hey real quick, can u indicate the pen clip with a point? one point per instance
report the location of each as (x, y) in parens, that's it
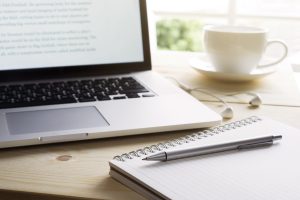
(255, 145)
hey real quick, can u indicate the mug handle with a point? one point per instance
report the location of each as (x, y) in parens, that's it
(284, 55)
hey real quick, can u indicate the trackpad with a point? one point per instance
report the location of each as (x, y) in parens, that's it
(54, 120)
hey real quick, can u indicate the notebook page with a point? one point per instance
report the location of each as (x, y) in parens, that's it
(269, 173)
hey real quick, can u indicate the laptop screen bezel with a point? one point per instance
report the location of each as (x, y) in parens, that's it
(87, 70)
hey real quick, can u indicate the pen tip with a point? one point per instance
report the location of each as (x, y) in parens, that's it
(277, 137)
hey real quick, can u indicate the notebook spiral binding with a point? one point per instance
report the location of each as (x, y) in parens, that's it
(186, 139)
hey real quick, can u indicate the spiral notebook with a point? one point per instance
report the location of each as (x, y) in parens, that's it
(265, 173)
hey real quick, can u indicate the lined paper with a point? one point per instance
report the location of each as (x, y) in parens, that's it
(266, 173)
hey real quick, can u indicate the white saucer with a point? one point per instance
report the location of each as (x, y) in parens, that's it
(203, 66)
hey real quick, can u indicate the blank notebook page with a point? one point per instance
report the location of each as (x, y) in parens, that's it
(267, 173)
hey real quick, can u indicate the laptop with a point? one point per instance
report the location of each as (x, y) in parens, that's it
(82, 70)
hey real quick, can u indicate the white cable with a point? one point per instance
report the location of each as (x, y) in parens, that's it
(189, 90)
(210, 94)
(238, 93)
(227, 113)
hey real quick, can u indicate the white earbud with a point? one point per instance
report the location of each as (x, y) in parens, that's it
(227, 113)
(255, 101)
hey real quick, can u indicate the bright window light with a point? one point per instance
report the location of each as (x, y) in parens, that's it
(178, 23)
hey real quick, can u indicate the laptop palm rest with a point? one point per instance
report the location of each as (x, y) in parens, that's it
(54, 120)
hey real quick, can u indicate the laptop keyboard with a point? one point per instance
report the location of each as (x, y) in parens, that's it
(64, 92)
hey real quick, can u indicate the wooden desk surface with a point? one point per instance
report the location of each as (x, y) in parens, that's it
(80, 169)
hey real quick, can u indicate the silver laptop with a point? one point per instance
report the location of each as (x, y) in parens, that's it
(82, 71)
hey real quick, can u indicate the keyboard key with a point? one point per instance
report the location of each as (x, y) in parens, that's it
(128, 91)
(73, 83)
(68, 100)
(103, 98)
(60, 85)
(119, 97)
(86, 99)
(148, 95)
(45, 85)
(130, 96)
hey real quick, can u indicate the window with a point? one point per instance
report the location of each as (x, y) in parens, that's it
(177, 24)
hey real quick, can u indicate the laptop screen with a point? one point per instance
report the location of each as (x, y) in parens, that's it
(37, 34)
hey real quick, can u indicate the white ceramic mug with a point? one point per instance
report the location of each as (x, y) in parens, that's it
(238, 49)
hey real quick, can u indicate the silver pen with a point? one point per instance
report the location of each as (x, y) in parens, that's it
(204, 150)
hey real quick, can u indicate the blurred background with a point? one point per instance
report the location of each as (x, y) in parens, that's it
(176, 25)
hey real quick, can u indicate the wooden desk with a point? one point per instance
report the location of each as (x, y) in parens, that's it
(80, 169)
